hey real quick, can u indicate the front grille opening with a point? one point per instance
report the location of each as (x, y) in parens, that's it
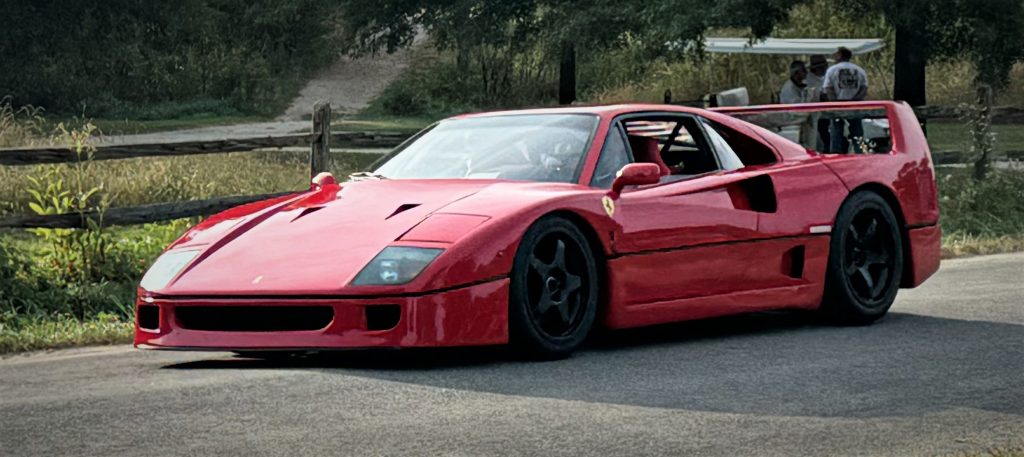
(149, 317)
(382, 317)
(254, 318)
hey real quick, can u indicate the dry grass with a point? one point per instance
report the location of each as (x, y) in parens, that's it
(20, 126)
(53, 333)
(157, 180)
(966, 245)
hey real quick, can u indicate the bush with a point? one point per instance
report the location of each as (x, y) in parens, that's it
(493, 77)
(993, 207)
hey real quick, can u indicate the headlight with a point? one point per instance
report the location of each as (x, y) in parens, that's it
(166, 268)
(396, 265)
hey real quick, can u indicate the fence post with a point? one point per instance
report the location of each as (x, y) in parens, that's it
(981, 129)
(319, 155)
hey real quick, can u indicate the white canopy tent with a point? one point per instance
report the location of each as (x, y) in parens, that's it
(791, 46)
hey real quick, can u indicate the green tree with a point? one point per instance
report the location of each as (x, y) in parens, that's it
(990, 32)
(109, 56)
(566, 29)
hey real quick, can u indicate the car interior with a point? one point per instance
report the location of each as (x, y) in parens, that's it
(682, 146)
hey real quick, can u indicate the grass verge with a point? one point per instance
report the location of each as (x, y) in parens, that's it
(30, 334)
(965, 245)
(955, 136)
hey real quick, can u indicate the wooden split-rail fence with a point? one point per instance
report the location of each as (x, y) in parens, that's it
(319, 141)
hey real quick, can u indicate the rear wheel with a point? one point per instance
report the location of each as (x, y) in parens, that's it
(865, 262)
(554, 290)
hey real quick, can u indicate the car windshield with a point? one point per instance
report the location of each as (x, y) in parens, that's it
(530, 147)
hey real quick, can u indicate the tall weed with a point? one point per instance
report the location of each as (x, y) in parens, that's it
(20, 126)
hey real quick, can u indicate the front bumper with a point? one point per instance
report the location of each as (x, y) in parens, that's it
(475, 315)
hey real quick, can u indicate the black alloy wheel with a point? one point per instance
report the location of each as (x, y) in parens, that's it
(554, 290)
(865, 261)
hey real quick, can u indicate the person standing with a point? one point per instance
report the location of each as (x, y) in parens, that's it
(845, 81)
(793, 91)
(816, 76)
(816, 79)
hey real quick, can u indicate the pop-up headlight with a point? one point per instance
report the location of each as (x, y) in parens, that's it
(166, 268)
(396, 265)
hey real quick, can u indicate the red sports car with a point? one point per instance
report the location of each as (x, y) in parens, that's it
(533, 227)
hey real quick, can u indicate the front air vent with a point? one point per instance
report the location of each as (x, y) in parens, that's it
(382, 317)
(149, 317)
(254, 318)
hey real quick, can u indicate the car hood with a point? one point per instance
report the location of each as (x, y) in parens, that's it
(312, 245)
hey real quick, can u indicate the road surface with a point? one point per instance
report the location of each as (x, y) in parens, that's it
(942, 374)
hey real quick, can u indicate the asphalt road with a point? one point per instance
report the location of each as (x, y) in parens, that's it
(942, 374)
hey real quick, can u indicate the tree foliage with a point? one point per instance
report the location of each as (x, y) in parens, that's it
(109, 55)
(989, 32)
(559, 29)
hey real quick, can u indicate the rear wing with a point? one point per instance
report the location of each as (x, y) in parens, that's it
(888, 127)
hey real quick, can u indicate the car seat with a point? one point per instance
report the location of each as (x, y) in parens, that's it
(646, 150)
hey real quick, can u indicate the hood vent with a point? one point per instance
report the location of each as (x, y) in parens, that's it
(402, 209)
(307, 212)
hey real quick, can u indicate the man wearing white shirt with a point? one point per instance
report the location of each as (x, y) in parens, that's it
(845, 81)
(794, 89)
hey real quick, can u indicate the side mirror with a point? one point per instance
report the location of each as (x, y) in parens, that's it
(635, 174)
(322, 180)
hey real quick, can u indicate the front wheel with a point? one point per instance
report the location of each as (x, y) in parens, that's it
(554, 290)
(865, 263)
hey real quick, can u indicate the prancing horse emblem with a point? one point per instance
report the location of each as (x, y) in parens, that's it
(609, 205)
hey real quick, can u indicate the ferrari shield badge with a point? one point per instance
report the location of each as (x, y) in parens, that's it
(609, 205)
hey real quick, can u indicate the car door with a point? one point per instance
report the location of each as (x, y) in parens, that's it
(667, 231)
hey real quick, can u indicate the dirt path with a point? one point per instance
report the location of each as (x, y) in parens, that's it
(349, 84)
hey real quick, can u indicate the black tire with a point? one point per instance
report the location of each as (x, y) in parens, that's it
(865, 262)
(554, 290)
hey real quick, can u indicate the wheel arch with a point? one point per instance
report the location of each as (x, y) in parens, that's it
(890, 198)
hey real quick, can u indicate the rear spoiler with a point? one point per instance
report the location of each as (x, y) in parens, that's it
(904, 129)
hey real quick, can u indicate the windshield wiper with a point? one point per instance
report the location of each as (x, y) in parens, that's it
(365, 176)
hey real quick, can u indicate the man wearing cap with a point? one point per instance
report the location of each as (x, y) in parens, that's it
(845, 81)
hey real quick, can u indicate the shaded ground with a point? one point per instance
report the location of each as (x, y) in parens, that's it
(940, 375)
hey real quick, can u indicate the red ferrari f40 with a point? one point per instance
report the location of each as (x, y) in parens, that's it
(534, 227)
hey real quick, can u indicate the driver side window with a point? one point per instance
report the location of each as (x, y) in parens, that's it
(674, 142)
